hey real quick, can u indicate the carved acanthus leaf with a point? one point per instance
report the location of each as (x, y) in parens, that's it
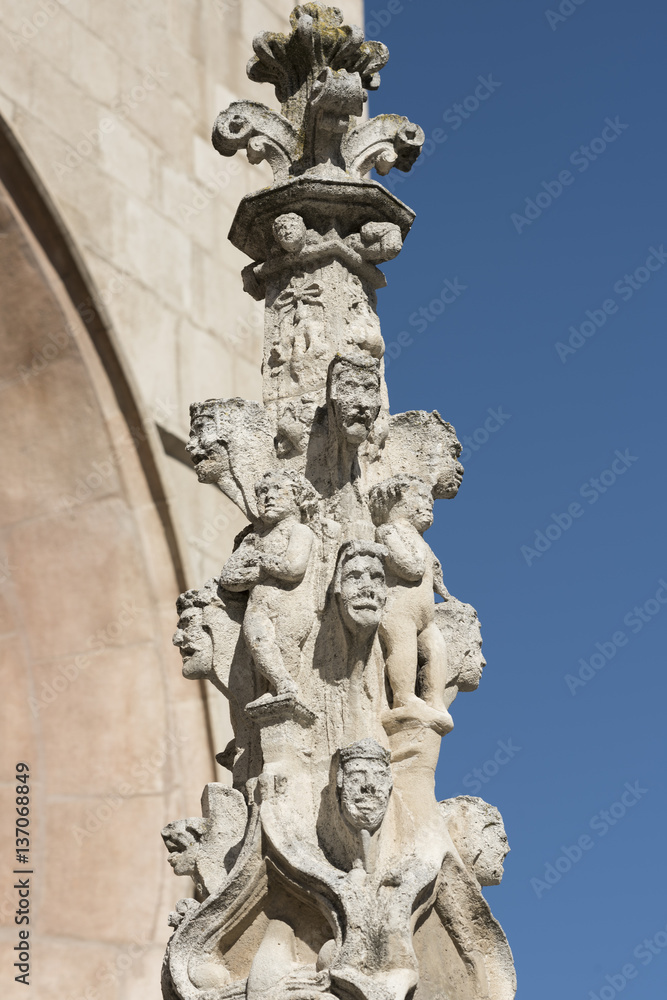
(263, 133)
(318, 39)
(383, 142)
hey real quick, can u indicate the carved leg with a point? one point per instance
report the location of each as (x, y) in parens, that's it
(260, 635)
(433, 652)
(399, 637)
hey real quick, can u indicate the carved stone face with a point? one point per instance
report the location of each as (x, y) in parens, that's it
(492, 849)
(450, 477)
(194, 642)
(364, 792)
(355, 397)
(415, 505)
(209, 455)
(478, 834)
(363, 592)
(183, 847)
(289, 231)
(470, 673)
(275, 499)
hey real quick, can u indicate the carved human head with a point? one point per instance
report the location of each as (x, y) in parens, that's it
(424, 442)
(228, 438)
(182, 839)
(402, 497)
(443, 449)
(364, 782)
(191, 636)
(359, 584)
(289, 231)
(461, 630)
(353, 393)
(281, 493)
(478, 834)
(208, 442)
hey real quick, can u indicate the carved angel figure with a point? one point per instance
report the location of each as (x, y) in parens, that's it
(402, 509)
(271, 563)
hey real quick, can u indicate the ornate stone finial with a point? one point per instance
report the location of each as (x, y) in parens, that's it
(318, 41)
(320, 72)
(322, 629)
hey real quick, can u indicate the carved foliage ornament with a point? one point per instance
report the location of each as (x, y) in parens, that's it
(320, 72)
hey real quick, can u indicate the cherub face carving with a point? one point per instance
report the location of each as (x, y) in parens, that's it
(360, 584)
(364, 784)
(276, 499)
(415, 505)
(354, 392)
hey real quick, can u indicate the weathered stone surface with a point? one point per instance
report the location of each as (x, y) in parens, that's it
(329, 869)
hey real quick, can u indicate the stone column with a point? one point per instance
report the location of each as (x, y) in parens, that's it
(328, 867)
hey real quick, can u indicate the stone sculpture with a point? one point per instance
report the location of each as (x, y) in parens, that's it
(327, 868)
(271, 562)
(402, 509)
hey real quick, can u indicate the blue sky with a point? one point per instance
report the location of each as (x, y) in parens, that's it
(536, 257)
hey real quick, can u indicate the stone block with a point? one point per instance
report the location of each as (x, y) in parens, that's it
(93, 66)
(106, 854)
(159, 253)
(48, 476)
(127, 158)
(55, 99)
(80, 596)
(65, 968)
(207, 368)
(103, 723)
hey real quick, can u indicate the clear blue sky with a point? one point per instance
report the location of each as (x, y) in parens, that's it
(522, 287)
